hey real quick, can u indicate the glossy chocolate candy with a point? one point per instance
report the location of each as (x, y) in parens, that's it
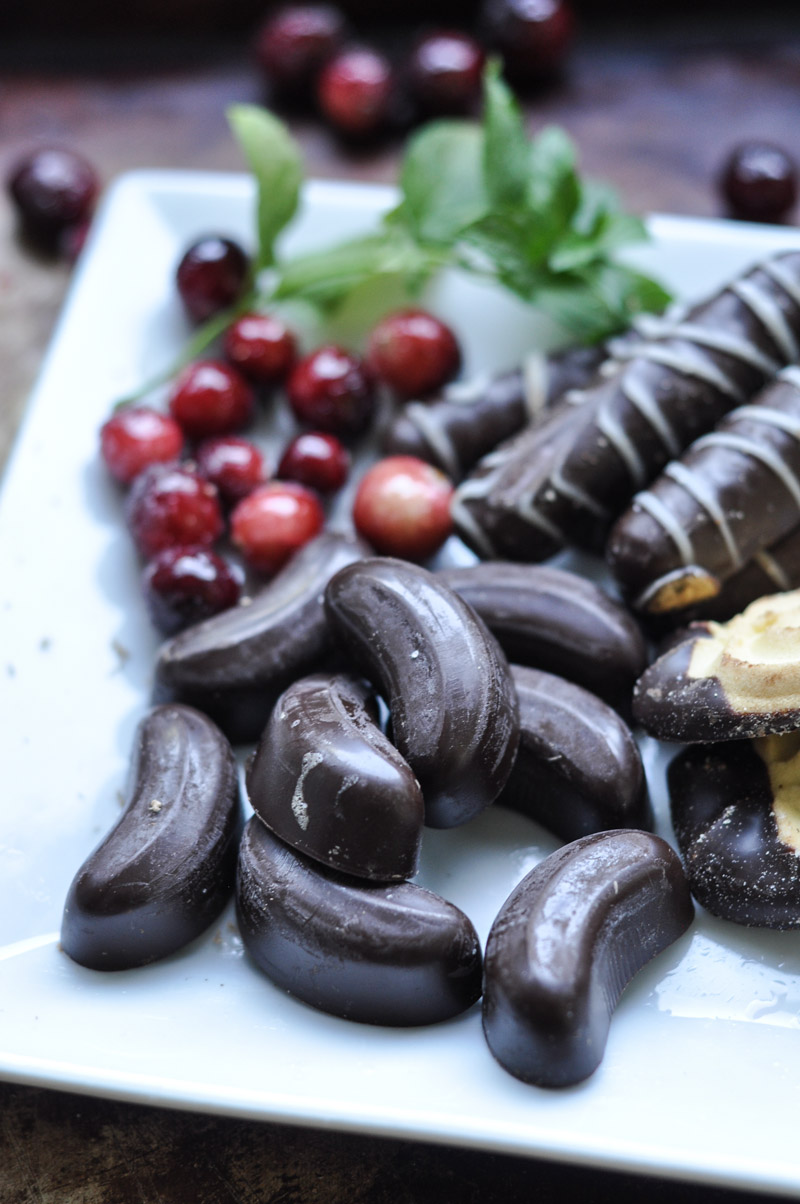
(727, 681)
(448, 686)
(734, 810)
(578, 768)
(380, 954)
(235, 665)
(167, 868)
(327, 781)
(554, 620)
(567, 942)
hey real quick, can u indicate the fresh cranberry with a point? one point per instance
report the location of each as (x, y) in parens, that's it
(234, 465)
(355, 92)
(136, 437)
(211, 275)
(533, 36)
(262, 347)
(52, 190)
(273, 522)
(413, 352)
(445, 72)
(185, 585)
(402, 508)
(295, 42)
(331, 390)
(171, 505)
(316, 460)
(211, 398)
(759, 182)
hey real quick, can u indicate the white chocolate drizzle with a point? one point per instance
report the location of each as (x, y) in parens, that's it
(435, 435)
(610, 426)
(643, 401)
(667, 521)
(769, 314)
(693, 484)
(777, 270)
(535, 378)
(748, 447)
(773, 570)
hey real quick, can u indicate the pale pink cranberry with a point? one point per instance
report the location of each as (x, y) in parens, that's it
(413, 352)
(317, 460)
(170, 505)
(402, 508)
(211, 398)
(135, 437)
(185, 585)
(274, 522)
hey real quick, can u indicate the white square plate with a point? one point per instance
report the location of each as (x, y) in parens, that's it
(701, 1077)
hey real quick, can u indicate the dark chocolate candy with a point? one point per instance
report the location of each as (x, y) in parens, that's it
(555, 620)
(327, 781)
(444, 677)
(470, 418)
(166, 869)
(734, 492)
(568, 485)
(578, 769)
(736, 823)
(727, 681)
(235, 665)
(567, 942)
(380, 954)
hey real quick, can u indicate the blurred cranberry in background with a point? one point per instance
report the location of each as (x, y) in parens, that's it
(295, 43)
(444, 73)
(317, 460)
(53, 190)
(331, 390)
(262, 347)
(236, 466)
(211, 276)
(273, 522)
(413, 352)
(135, 437)
(209, 397)
(171, 505)
(356, 92)
(533, 36)
(759, 182)
(185, 585)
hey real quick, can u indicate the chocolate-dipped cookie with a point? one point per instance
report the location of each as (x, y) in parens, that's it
(380, 954)
(578, 768)
(734, 810)
(555, 620)
(166, 869)
(566, 943)
(727, 681)
(327, 781)
(235, 665)
(734, 492)
(568, 485)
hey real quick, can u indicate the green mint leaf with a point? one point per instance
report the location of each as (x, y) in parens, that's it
(441, 179)
(506, 151)
(277, 165)
(554, 188)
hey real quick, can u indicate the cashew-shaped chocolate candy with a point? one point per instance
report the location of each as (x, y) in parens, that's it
(566, 943)
(734, 492)
(734, 810)
(727, 681)
(568, 481)
(453, 707)
(578, 769)
(327, 781)
(380, 954)
(235, 665)
(166, 869)
(554, 620)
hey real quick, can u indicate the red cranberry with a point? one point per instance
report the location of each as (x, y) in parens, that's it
(211, 398)
(211, 275)
(331, 390)
(445, 72)
(402, 508)
(759, 182)
(413, 352)
(234, 465)
(262, 347)
(52, 190)
(295, 42)
(170, 505)
(316, 460)
(273, 522)
(185, 585)
(355, 92)
(533, 36)
(136, 437)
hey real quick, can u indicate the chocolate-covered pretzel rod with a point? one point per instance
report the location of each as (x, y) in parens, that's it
(567, 483)
(735, 491)
(470, 418)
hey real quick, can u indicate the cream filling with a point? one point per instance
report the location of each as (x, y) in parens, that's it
(781, 755)
(756, 656)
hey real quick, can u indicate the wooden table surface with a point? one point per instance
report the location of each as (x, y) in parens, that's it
(654, 109)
